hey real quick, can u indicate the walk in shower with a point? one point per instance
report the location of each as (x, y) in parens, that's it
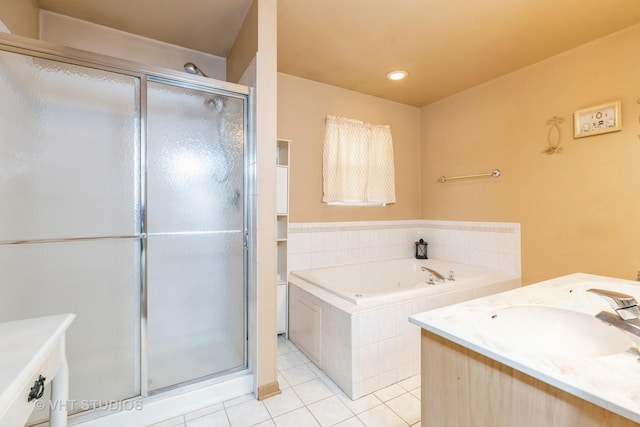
(123, 201)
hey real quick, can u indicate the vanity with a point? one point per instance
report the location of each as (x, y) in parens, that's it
(533, 356)
(32, 356)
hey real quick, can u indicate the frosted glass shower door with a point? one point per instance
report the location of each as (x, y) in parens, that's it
(70, 218)
(195, 234)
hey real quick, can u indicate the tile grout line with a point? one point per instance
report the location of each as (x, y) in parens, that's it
(405, 392)
(306, 363)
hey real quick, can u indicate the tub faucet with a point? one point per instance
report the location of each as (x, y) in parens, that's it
(626, 308)
(439, 276)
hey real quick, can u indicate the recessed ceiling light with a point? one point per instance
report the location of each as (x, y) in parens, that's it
(397, 75)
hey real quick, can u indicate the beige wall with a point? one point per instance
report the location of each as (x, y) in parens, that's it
(245, 46)
(266, 110)
(20, 17)
(79, 34)
(579, 210)
(302, 108)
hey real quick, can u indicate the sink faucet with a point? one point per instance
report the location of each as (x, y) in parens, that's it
(626, 307)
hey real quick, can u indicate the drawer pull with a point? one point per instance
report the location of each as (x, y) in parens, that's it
(37, 390)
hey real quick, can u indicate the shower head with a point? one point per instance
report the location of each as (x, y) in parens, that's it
(192, 68)
(217, 103)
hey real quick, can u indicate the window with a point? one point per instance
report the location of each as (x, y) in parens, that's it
(357, 163)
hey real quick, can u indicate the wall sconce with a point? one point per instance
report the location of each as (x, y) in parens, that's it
(421, 249)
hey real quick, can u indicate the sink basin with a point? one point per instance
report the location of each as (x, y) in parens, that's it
(550, 331)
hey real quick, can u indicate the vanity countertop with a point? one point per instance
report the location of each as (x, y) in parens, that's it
(24, 347)
(609, 379)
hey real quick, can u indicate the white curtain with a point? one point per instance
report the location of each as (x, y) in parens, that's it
(357, 163)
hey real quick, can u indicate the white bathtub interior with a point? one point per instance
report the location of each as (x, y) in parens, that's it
(364, 283)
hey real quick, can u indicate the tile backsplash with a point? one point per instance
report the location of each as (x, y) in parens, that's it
(488, 244)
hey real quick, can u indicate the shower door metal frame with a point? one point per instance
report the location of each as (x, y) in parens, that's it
(163, 79)
(144, 73)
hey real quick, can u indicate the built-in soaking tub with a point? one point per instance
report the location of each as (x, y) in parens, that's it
(352, 320)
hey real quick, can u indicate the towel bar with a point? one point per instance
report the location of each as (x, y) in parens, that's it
(496, 173)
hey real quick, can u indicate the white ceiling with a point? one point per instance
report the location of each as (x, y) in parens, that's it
(446, 46)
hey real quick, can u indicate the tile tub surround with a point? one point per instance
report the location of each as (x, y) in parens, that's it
(486, 244)
(366, 347)
(609, 381)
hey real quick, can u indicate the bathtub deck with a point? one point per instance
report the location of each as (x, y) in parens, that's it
(310, 398)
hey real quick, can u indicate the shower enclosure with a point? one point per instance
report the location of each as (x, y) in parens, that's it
(123, 201)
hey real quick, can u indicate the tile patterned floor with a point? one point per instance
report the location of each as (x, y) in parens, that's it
(310, 398)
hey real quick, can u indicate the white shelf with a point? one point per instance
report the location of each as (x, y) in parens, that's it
(282, 233)
(282, 152)
(282, 227)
